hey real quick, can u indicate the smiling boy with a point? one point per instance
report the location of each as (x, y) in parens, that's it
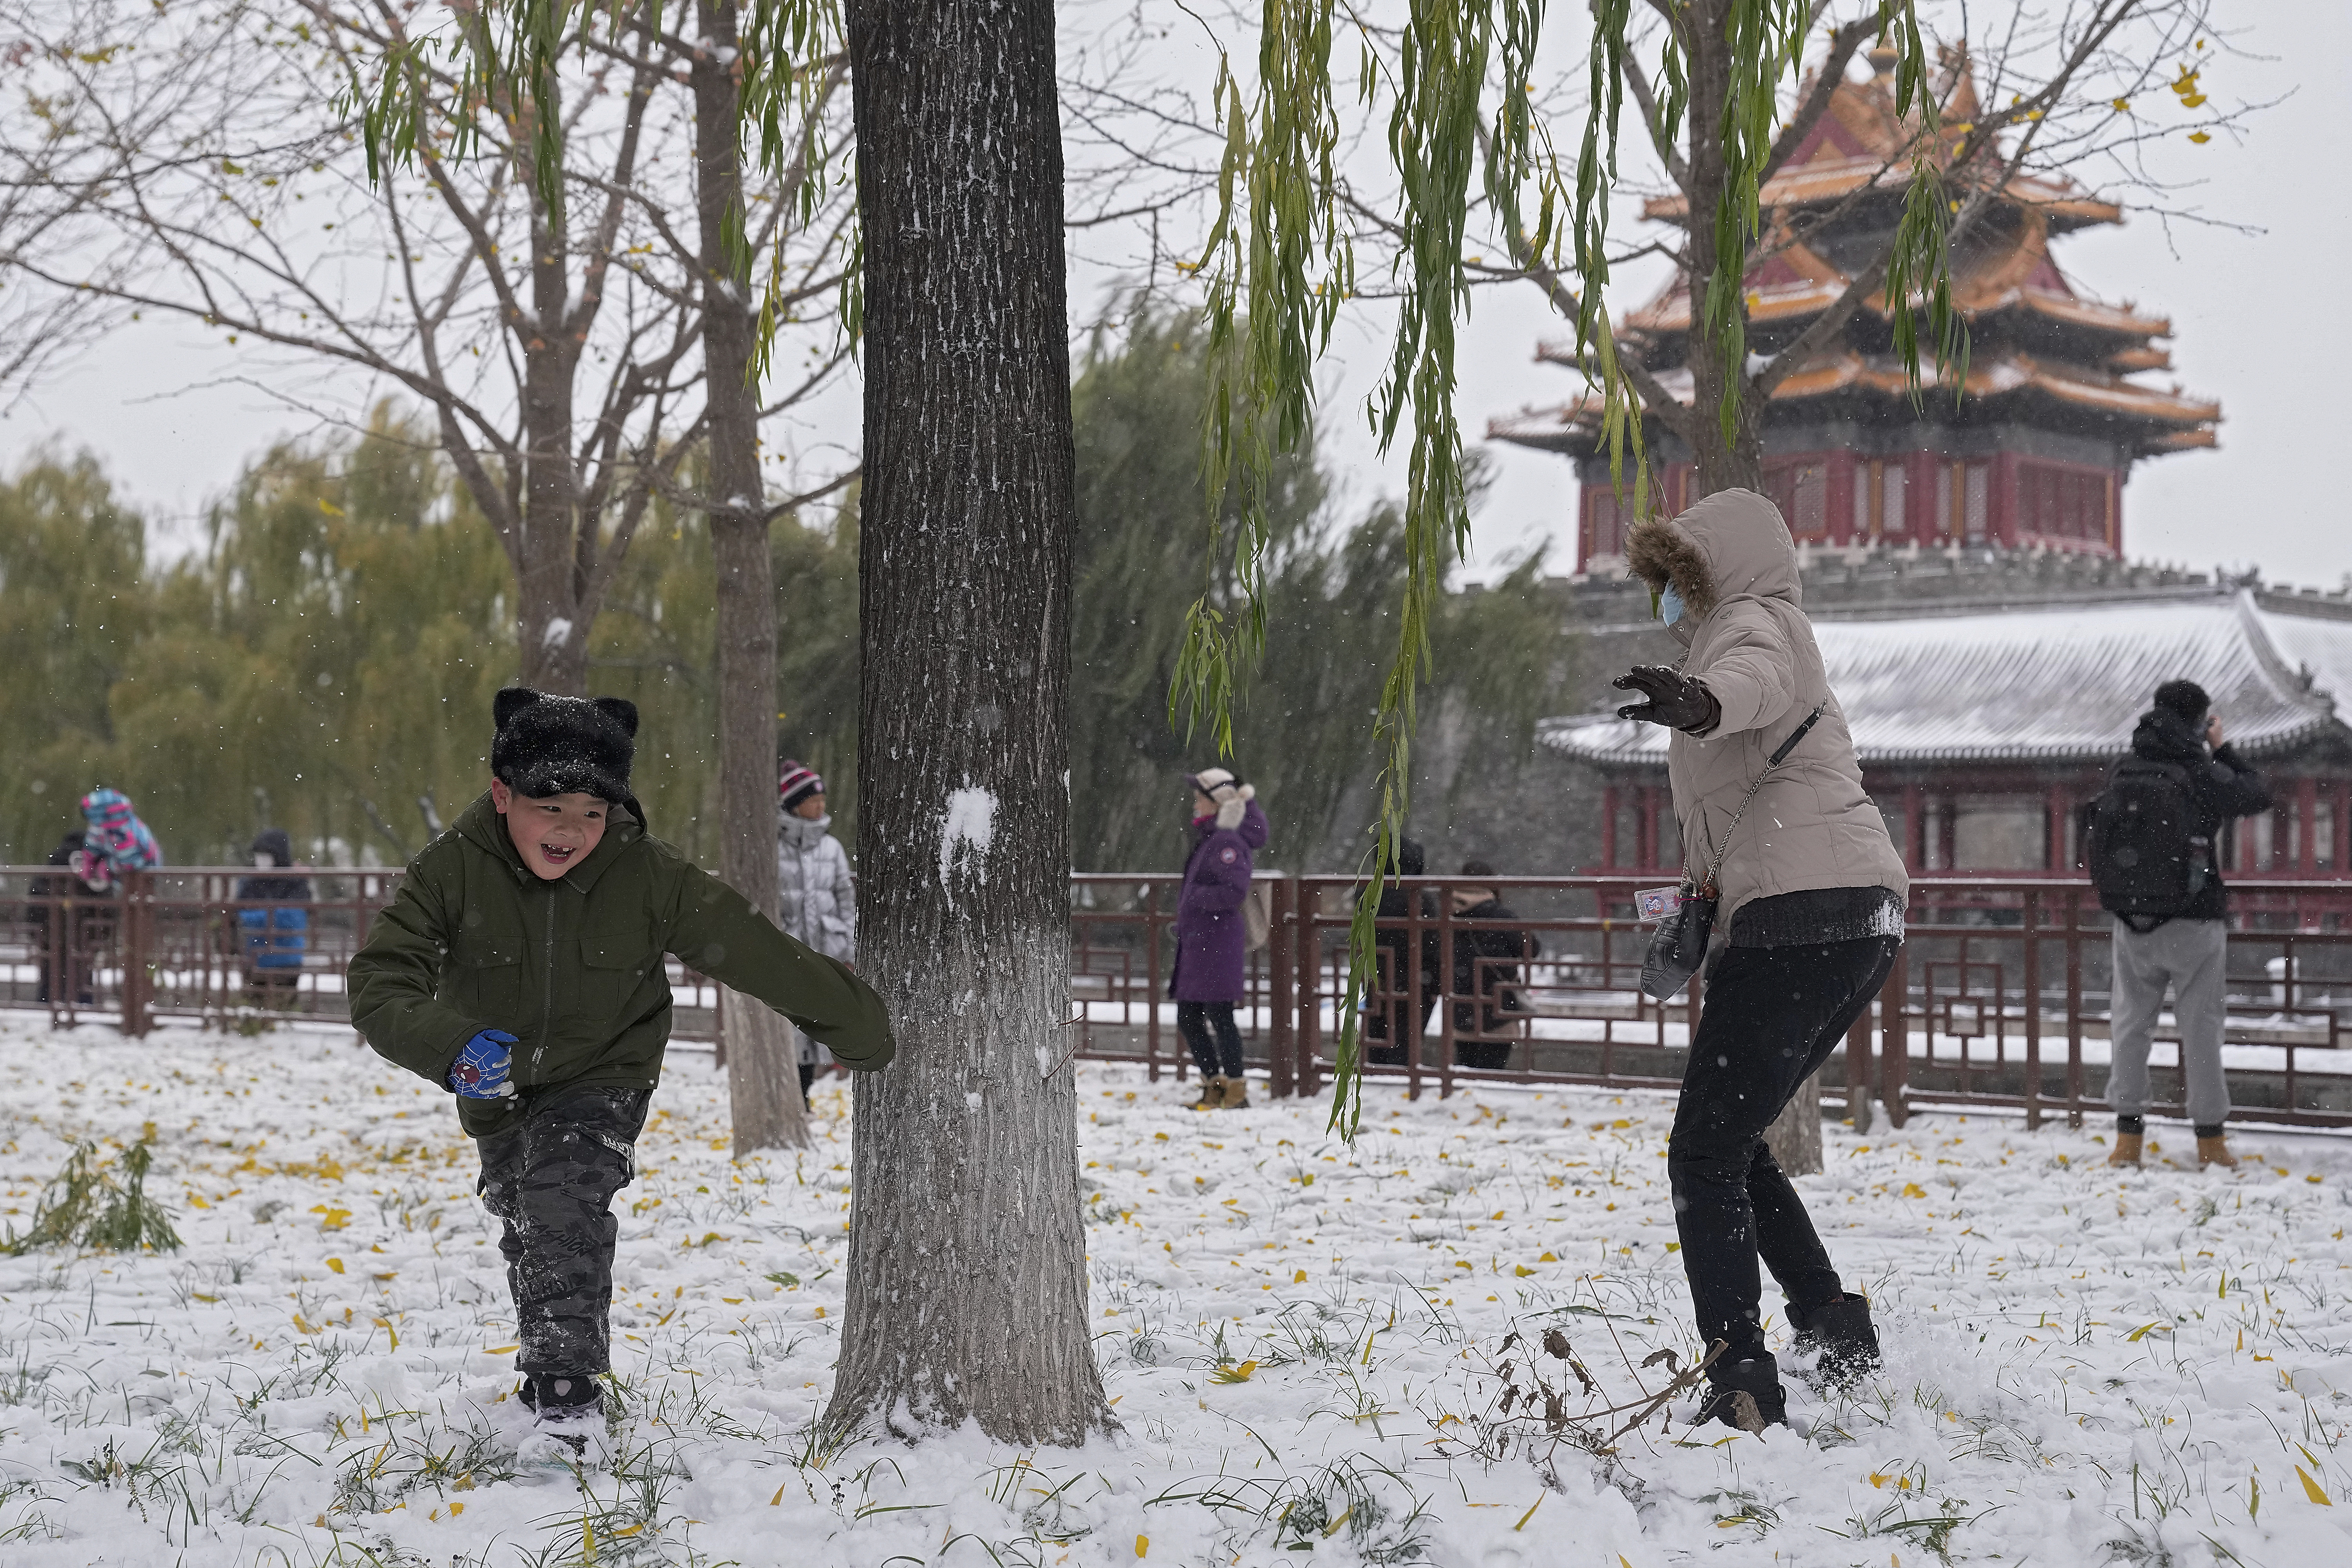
(520, 966)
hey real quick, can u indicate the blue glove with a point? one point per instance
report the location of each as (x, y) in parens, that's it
(480, 1072)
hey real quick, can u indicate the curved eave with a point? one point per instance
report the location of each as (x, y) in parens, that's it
(1669, 314)
(1827, 180)
(2062, 686)
(2167, 421)
(1567, 736)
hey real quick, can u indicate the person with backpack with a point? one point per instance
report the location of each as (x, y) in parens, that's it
(1391, 1025)
(2151, 850)
(1212, 934)
(1489, 948)
(1810, 894)
(273, 919)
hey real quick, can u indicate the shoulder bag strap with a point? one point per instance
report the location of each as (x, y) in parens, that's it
(1779, 756)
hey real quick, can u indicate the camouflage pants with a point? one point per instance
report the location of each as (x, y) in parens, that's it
(552, 1178)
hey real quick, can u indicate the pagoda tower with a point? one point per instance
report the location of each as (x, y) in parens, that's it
(2034, 453)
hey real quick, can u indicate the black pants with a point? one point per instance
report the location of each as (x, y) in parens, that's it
(1771, 1018)
(1218, 1057)
(552, 1177)
(808, 1079)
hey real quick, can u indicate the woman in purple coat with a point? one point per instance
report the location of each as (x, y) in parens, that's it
(1212, 933)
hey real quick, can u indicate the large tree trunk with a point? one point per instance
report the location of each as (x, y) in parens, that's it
(762, 1081)
(1735, 460)
(967, 1293)
(1795, 1136)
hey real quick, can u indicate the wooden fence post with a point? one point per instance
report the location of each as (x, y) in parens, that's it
(1895, 1037)
(1282, 1004)
(2030, 930)
(135, 942)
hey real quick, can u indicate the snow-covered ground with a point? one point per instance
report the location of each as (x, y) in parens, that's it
(1308, 1344)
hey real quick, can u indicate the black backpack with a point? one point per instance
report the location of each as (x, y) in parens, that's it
(2148, 858)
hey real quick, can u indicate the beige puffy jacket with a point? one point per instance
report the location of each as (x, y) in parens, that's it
(1810, 824)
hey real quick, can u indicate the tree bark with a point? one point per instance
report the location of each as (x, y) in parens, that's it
(1795, 1135)
(967, 1296)
(1734, 460)
(763, 1081)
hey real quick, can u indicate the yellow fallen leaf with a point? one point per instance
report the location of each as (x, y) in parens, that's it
(1143, 1542)
(457, 1508)
(1914, 1190)
(305, 1324)
(1239, 1374)
(2144, 1330)
(2311, 1489)
(336, 1218)
(1548, 1258)
(200, 1296)
(1497, 1215)
(1300, 1277)
(777, 1500)
(2199, 136)
(336, 1264)
(1522, 1271)
(502, 1350)
(1531, 1511)
(1674, 1246)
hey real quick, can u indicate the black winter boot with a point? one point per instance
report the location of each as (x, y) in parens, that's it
(570, 1412)
(1745, 1394)
(1840, 1333)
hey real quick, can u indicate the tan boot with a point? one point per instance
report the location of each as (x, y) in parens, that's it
(1236, 1093)
(2215, 1152)
(2126, 1149)
(1213, 1095)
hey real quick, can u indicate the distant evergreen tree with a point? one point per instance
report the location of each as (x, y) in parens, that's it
(74, 601)
(1301, 730)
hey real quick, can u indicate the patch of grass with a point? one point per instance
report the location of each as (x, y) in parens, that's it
(86, 1206)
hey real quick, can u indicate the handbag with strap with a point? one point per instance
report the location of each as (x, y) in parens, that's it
(1679, 946)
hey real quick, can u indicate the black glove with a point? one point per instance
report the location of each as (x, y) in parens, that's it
(1675, 699)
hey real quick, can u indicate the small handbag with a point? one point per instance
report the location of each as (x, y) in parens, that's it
(1679, 946)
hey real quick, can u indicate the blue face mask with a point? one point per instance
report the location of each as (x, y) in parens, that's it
(1670, 605)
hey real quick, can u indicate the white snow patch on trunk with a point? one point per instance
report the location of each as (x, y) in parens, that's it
(967, 829)
(557, 633)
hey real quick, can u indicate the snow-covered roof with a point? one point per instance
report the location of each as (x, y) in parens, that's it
(2065, 684)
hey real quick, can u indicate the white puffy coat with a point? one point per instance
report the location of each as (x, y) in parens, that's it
(817, 901)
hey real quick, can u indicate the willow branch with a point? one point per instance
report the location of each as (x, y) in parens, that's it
(1842, 44)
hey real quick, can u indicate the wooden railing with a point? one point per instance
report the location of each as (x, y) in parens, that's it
(1999, 996)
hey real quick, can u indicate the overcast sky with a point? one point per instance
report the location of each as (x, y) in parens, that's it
(2252, 313)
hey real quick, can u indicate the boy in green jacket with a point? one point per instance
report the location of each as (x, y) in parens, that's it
(520, 966)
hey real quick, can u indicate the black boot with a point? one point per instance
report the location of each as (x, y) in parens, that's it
(1840, 1333)
(1745, 1394)
(568, 1409)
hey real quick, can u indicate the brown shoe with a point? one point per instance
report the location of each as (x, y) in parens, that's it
(1213, 1095)
(2215, 1152)
(2126, 1149)
(1236, 1093)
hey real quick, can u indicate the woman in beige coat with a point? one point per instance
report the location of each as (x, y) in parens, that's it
(1813, 895)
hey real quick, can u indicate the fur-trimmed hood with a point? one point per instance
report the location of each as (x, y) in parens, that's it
(1733, 545)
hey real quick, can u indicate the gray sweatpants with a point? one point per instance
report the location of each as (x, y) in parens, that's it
(2188, 955)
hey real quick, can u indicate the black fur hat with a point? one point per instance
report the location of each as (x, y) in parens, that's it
(562, 746)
